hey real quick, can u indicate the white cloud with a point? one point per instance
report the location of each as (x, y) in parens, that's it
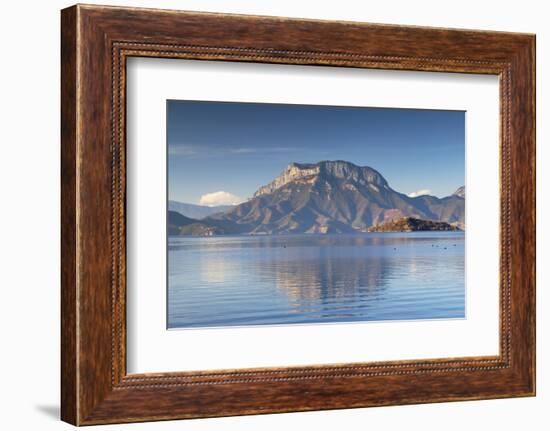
(219, 198)
(182, 150)
(243, 150)
(203, 150)
(250, 150)
(420, 193)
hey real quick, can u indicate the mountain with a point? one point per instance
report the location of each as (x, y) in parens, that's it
(176, 221)
(179, 224)
(460, 192)
(196, 211)
(332, 197)
(409, 224)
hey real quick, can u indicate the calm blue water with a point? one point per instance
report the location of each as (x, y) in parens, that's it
(255, 280)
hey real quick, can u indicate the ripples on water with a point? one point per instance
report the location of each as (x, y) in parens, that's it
(255, 280)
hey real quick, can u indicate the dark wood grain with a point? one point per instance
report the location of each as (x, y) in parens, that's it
(96, 41)
(69, 397)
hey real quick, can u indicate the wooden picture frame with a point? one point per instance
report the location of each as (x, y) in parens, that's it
(95, 43)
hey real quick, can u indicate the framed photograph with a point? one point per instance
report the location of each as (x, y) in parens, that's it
(267, 215)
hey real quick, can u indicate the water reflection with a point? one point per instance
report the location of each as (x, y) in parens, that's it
(328, 279)
(223, 281)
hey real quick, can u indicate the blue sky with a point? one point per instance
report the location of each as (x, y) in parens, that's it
(235, 148)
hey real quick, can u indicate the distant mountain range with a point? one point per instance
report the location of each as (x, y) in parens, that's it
(325, 197)
(196, 211)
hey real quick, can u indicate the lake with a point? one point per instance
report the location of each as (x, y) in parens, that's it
(302, 279)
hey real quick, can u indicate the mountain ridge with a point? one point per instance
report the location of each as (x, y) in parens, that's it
(338, 168)
(332, 197)
(460, 192)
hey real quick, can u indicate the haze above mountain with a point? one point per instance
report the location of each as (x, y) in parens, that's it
(328, 197)
(196, 211)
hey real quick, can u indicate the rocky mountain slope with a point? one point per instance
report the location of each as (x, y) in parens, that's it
(332, 197)
(460, 192)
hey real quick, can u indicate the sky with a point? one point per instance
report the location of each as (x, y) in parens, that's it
(222, 152)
